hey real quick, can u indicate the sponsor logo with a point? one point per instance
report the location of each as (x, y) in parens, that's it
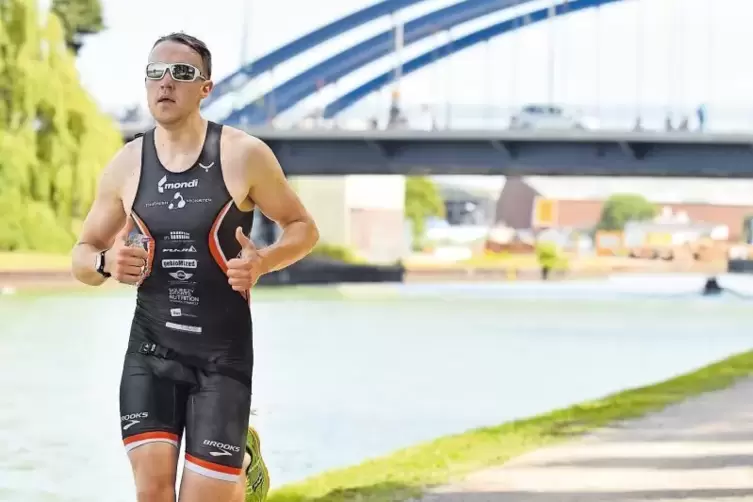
(189, 249)
(179, 202)
(178, 235)
(181, 275)
(133, 419)
(184, 296)
(206, 168)
(134, 416)
(180, 313)
(163, 184)
(225, 449)
(167, 263)
(183, 327)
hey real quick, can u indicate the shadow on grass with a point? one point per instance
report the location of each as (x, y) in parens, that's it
(385, 491)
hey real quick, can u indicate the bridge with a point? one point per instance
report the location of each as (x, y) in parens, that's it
(524, 153)
(495, 149)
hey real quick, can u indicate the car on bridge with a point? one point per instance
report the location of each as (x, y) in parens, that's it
(550, 117)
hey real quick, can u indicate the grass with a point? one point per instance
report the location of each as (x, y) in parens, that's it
(405, 473)
(23, 260)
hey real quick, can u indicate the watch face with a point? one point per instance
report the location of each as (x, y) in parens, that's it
(98, 262)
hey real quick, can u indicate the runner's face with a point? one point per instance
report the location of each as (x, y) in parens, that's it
(171, 100)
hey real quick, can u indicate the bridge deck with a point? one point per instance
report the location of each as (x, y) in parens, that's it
(556, 153)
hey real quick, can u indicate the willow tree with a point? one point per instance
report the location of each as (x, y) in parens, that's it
(53, 139)
(79, 18)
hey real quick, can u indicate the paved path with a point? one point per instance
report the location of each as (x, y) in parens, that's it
(697, 451)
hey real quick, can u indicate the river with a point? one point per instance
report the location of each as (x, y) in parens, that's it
(343, 377)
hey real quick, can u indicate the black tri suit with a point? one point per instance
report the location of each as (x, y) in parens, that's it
(190, 355)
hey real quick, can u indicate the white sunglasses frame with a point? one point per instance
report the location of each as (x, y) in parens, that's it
(198, 75)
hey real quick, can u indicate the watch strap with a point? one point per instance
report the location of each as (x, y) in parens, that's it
(101, 264)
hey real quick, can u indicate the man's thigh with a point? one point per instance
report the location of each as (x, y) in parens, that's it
(216, 427)
(152, 417)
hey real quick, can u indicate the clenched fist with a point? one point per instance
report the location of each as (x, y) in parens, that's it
(244, 271)
(126, 263)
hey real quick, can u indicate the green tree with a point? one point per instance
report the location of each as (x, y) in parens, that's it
(53, 139)
(79, 18)
(621, 208)
(422, 200)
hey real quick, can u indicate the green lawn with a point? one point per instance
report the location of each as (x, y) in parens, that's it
(402, 475)
(17, 260)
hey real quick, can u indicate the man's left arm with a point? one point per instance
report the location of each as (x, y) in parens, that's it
(273, 195)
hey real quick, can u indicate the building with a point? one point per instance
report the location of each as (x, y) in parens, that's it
(576, 202)
(363, 213)
(469, 200)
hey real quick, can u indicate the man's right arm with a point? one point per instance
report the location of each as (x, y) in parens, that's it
(105, 220)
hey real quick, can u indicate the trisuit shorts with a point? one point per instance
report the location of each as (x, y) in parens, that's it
(161, 398)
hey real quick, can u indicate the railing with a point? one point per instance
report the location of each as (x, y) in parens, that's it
(490, 117)
(464, 116)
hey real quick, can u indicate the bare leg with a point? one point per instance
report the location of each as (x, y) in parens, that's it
(154, 468)
(195, 487)
(240, 487)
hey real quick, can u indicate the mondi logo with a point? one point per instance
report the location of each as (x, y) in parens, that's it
(162, 184)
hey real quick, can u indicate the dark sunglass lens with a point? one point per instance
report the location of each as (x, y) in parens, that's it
(155, 70)
(183, 72)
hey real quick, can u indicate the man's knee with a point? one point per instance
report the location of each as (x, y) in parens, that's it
(196, 487)
(154, 470)
(155, 490)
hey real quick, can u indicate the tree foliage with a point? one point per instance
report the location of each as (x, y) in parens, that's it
(621, 208)
(422, 200)
(79, 17)
(53, 139)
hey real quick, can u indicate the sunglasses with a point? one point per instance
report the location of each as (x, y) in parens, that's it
(180, 72)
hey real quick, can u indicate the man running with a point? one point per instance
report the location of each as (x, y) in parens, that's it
(189, 186)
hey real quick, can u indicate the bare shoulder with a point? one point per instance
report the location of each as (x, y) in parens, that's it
(241, 143)
(248, 154)
(123, 166)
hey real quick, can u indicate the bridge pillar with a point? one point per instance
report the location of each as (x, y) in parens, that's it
(363, 213)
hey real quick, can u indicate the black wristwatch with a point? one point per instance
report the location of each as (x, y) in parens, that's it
(100, 264)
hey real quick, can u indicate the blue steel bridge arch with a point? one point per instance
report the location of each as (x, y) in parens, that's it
(243, 75)
(452, 47)
(309, 81)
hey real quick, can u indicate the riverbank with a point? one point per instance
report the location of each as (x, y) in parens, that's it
(49, 272)
(700, 450)
(409, 473)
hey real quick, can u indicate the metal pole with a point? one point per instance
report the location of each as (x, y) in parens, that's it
(513, 74)
(669, 63)
(638, 59)
(448, 83)
(438, 85)
(598, 61)
(710, 55)
(551, 14)
(398, 71)
(399, 42)
(564, 56)
(487, 80)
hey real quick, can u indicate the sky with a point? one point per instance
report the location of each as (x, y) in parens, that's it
(635, 53)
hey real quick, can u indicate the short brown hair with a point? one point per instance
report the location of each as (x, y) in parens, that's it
(195, 44)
